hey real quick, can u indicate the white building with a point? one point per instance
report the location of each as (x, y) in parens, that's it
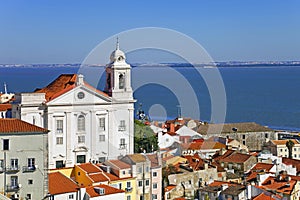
(85, 124)
(23, 160)
(279, 148)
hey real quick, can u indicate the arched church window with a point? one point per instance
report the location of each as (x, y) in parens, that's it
(81, 123)
(121, 81)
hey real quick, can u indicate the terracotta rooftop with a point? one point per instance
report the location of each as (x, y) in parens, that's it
(220, 183)
(118, 164)
(293, 162)
(89, 168)
(263, 196)
(154, 160)
(283, 142)
(59, 184)
(10, 125)
(136, 158)
(282, 187)
(5, 107)
(203, 145)
(61, 85)
(236, 158)
(260, 166)
(218, 155)
(107, 190)
(169, 188)
(232, 128)
(234, 190)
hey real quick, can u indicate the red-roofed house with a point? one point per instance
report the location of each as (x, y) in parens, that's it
(279, 148)
(238, 161)
(62, 187)
(23, 159)
(104, 192)
(85, 124)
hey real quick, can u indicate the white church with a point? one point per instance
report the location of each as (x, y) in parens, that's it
(85, 124)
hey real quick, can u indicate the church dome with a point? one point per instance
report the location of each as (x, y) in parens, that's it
(117, 55)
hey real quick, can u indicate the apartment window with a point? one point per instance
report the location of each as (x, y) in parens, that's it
(266, 135)
(244, 142)
(154, 174)
(147, 182)
(1, 164)
(123, 172)
(101, 159)
(120, 186)
(102, 124)
(102, 138)
(295, 149)
(295, 155)
(285, 150)
(244, 137)
(122, 143)
(14, 181)
(5, 144)
(81, 123)
(190, 182)
(31, 162)
(14, 163)
(81, 159)
(59, 126)
(140, 183)
(59, 140)
(28, 196)
(280, 150)
(122, 126)
(81, 139)
(140, 170)
(60, 164)
(154, 185)
(71, 196)
(147, 169)
(30, 181)
(33, 120)
(128, 184)
(154, 196)
(128, 197)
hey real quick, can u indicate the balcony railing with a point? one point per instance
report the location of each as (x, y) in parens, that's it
(129, 189)
(123, 146)
(12, 188)
(28, 168)
(12, 169)
(122, 128)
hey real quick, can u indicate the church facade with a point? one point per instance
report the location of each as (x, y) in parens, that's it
(85, 124)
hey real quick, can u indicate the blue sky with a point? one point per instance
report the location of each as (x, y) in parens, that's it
(65, 31)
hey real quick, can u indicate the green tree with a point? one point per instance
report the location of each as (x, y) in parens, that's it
(144, 138)
(290, 144)
(166, 171)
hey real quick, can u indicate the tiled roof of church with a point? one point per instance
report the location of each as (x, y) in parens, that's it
(63, 84)
(10, 125)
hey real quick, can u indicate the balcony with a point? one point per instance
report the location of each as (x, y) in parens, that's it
(12, 169)
(123, 146)
(129, 189)
(28, 169)
(122, 128)
(12, 188)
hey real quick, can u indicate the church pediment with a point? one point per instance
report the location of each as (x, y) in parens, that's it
(82, 94)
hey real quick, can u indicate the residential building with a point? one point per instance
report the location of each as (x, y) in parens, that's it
(250, 134)
(279, 148)
(62, 187)
(85, 124)
(141, 169)
(156, 176)
(23, 159)
(104, 192)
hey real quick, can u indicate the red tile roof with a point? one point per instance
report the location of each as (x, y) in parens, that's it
(220, 183)
(236, 158)
(9, 125)
(107, 190)
(263, 196)
(5, 107)
(260, 166)
(60, 184)
(169, 188)
(218, 157)
(63, 84)
(89, 168)
(154, 160)
(293, 162)
(118, 164)
(283, 142)
(203, 145)
(282, 187)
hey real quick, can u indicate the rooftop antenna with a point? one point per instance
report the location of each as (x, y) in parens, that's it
(5, 88)
(118, 45)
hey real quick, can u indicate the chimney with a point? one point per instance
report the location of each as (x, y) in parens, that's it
(79, 80)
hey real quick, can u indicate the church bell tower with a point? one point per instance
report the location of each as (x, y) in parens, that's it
(118, 76)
